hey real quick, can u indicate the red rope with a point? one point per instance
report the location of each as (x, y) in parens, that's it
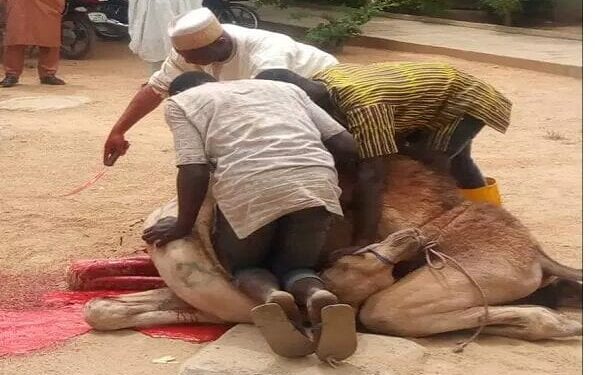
(88, 183)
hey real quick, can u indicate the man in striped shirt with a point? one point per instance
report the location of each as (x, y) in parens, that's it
(430, 111)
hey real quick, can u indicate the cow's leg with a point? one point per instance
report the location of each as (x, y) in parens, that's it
(522, 322)
(429, 301)
(531, 323)
(144, 309)
(192, 271)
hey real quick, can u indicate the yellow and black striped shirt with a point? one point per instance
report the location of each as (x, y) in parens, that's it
(380, 100)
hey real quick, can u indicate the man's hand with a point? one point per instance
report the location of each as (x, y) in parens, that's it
(114, 147)
(164, 231)
(144, 102)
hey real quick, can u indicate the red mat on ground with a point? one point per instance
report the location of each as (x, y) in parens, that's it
(130, 273)
(61, 318)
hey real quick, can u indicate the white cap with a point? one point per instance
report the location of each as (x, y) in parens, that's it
(195, 29)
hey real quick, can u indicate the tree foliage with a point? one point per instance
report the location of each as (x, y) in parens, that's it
(337, 30)
(503, 7)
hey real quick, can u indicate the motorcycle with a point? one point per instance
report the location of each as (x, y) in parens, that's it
(84, 20)
(233, 12)
(78, 34)
(110, 18)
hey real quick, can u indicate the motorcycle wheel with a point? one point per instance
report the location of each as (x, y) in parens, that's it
(111, 35)
(241, 15)
(78, 37)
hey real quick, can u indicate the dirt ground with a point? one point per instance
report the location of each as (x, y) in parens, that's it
(46, 154)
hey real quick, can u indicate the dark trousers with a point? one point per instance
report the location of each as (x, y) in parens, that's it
(290, 246)
(456, 159)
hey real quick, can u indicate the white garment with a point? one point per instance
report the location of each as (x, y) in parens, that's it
(154, 67)
(192, 22)
(148, 24)
(264, 143)
(254, 51)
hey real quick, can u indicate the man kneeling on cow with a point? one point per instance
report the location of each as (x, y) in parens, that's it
(266, 145)
(428, 111)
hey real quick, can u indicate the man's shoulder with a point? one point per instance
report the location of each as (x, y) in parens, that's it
(198, 95)
(249, 33)
(258, 83)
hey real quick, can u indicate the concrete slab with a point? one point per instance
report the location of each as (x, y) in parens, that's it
(43, 103)
(540, 53)
(243, 351)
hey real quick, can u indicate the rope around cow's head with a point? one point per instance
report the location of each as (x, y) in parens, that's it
(432, 252)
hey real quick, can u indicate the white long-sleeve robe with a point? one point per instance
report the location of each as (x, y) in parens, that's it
(148, 22)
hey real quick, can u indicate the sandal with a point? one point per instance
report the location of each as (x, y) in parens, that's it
(337, 336)
(281, 335)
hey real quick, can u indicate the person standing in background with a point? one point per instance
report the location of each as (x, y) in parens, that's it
(148, 24)
(32, 23)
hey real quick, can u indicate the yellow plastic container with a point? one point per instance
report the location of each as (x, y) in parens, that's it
(489, 193)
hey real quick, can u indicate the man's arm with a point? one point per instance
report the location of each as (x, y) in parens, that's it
(370, 171)
(192, 183)
(345, 153)
(144, 102)
(192, 179)
(368, 196)
(373, 128)
(335, 137)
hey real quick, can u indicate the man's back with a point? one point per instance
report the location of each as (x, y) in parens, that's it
(382, 99)
(255, 50)
(254, 124)
(263, 146)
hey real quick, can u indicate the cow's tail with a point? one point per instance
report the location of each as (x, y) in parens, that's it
(553, 268)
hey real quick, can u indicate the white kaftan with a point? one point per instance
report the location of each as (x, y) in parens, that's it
(254, 51)
(148, 23)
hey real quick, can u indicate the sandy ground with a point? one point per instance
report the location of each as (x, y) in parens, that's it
(46, 154)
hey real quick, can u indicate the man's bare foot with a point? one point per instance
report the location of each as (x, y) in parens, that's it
(288, 304)
(316, 302)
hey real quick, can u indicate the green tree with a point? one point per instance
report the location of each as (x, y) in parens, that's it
(331, 35)
(504, 8)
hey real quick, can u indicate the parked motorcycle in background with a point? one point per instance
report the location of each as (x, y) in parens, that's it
(78, 35)
(110, 18)
(83, 20)
(233, 12)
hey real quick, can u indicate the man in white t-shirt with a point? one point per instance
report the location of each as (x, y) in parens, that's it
(228, 52)
(275, 184)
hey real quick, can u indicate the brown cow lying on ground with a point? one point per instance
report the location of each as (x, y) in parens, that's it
(395, 291)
